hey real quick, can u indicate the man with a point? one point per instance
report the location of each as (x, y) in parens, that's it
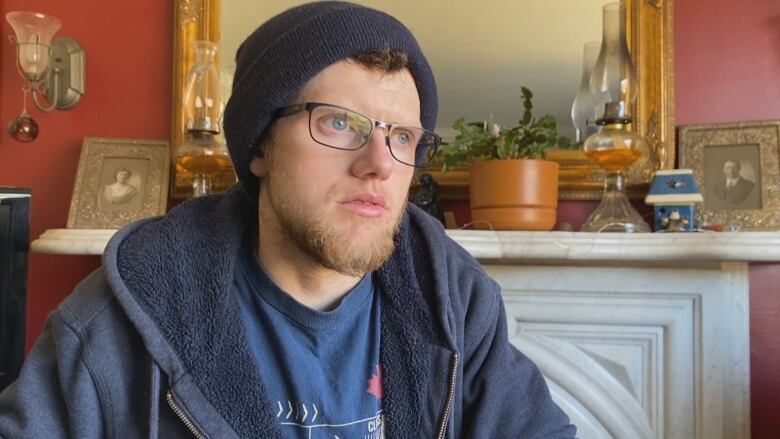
(734, 189)
(311, 300)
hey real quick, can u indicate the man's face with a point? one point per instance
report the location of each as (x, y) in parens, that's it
(340, 208)
(731, 169)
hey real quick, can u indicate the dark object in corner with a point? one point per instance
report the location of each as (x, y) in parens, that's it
(14, 241)
(427, 196)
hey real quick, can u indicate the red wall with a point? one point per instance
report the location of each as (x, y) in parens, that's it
(128, 92)
(727, 69)
(727, 57)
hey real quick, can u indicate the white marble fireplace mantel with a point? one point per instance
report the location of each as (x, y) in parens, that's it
(578, 246)
(638, 335)
(73, 241)
(530, 246)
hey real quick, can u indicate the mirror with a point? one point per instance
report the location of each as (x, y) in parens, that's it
(481, 54)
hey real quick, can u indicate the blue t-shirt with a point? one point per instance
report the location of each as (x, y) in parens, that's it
(320, 369)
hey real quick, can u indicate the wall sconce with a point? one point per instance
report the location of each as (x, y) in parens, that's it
(52, 68)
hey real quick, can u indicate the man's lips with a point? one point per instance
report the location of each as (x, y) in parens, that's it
(365, 204)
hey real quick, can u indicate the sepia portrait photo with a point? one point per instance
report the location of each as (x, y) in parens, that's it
(119, 181)
(732, 176)
(737, 168)
(121, 184)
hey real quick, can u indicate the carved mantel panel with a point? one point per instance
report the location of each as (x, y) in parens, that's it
(644, 350)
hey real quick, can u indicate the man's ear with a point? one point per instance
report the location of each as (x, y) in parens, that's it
(260, 158)
(258, 165)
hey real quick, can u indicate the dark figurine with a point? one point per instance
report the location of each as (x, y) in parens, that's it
(427, 196)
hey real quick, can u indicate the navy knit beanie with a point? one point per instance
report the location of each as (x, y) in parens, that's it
(289, 49)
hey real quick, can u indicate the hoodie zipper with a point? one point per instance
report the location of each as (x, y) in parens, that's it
(180, 413)
(450, 396)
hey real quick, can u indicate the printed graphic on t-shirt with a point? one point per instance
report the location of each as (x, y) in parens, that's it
(312, 421)
(375, 383)
(303, 419)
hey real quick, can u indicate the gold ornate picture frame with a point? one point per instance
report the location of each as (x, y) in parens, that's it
(737, 167)
(650, 31)
(119, 181)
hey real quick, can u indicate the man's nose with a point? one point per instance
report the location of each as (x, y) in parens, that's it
(374, 159)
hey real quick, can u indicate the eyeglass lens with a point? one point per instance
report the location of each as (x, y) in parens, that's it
(345, 129)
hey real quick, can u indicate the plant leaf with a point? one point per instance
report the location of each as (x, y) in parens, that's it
(489, 141)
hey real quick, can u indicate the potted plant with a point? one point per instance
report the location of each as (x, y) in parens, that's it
(511, 186)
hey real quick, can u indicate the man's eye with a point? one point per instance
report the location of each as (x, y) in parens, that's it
(405, 138)
(338, 123)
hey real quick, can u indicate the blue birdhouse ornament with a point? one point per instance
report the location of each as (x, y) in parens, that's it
(674, 195)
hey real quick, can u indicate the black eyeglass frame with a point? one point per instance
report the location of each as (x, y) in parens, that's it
(310, 106)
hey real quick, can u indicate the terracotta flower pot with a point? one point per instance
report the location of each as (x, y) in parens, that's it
(513, 194)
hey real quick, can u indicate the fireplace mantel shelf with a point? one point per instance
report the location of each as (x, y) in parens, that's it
(579, 246)
(73, 241)
(530, 246)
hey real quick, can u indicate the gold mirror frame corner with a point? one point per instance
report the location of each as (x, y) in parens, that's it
(651, 34)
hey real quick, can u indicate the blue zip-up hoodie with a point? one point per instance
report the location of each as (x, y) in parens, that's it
(152, 343)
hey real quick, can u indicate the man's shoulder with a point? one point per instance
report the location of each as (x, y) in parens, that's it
(191, 228)
(745, 182)
(89, 299)
(453, 264)
(442, 246)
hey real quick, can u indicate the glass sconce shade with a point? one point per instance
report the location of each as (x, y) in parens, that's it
(583, 109)
(34, 32)
(202, 98)
(614, 77)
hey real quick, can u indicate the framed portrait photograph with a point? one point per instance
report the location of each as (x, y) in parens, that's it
(119, 181)
(737, 167)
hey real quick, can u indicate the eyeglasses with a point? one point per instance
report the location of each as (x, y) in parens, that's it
(341, 128)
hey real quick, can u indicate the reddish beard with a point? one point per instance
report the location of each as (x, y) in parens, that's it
(321, 241)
